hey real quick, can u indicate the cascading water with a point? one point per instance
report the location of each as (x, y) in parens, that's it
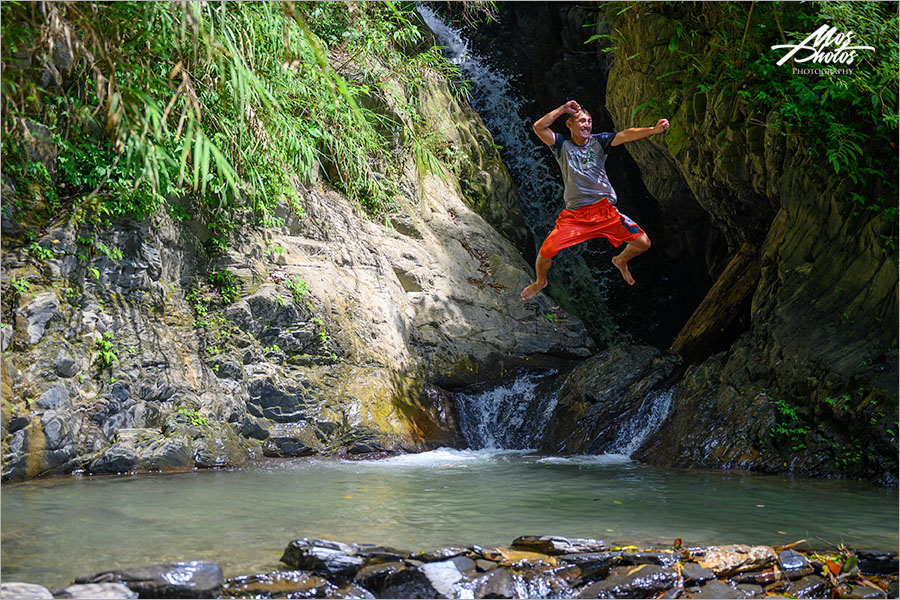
(512, 416)
(539, 188)
(515, 416)
(656, 407)
(538, 183)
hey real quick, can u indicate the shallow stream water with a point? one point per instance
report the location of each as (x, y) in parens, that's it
(56, 529)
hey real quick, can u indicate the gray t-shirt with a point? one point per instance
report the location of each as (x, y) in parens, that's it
(584, 169)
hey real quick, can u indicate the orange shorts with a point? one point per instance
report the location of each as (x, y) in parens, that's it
(600, 219)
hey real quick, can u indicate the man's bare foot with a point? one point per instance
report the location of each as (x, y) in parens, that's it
(532, 290)
(623, 269)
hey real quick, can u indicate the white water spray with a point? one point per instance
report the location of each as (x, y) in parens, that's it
(512, 416)
(539, 188)
(649, 418)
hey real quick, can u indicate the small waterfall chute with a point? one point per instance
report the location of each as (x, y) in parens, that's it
(511, 416)
(515, 415)
(494, 99)
(656, 406)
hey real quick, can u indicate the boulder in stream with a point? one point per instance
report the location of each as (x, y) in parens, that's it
(551, 544)
(194, 579)
(97, 591)
(15, 590)
(643, 581)
(279, 584)
(335, 559)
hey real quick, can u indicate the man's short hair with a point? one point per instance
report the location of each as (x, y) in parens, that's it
(583, 110)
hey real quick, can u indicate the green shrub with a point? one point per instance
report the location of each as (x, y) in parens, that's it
(216, 103)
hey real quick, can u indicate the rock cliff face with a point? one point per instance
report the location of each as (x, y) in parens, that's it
(791, 359)
(811, 384)
(330, 332)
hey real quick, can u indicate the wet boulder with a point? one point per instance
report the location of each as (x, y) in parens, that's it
(721, 589)
(279, 584)
(99, 591)
(878, 562)
(374, 554)
(377, 577)
(694, 573)
(194, 579)
(644, 581)
(808, 587)
(497, 583)
(334, 559)
(397, 580)
(609, 400)
(353, 592)
(24, 591)
(438, 554)
(794, 564)
(593, 565)
(553, 545)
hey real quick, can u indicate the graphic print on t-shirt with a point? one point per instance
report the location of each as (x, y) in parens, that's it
(584, 170)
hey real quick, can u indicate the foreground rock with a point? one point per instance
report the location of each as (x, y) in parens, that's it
(195, 579)
(531, 567)
(558, 567)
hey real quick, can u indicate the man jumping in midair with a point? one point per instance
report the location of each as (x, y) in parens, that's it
(590, 198)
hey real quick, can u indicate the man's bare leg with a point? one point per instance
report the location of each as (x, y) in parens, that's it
(632, 249)
(541, 266)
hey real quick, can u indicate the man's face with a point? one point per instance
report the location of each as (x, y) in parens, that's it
(580, 124)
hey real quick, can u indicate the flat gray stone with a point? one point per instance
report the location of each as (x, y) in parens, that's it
(194, 579)
(24, 591)
(442, 576)
(89, 591)
(53, 399)
(554, 545)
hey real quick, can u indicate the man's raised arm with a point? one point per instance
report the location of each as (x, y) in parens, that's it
(636, 133)
(542, 126)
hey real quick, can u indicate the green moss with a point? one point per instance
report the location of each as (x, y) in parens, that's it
(677, 138)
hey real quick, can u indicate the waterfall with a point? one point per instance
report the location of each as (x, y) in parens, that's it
(516, 415)
(649, 417)
(540, 189)
(512, 416)
(575, 283)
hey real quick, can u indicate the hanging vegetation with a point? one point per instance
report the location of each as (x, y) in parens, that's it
(207, 109)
